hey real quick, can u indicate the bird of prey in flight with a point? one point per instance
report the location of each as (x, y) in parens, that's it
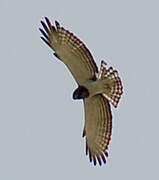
(97, 88)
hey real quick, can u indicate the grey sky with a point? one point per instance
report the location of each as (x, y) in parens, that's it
(41, 126)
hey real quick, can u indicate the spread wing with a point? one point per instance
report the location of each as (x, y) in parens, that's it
(70, 50)
(98, 127)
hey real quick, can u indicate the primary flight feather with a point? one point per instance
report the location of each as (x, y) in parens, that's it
(96, 88)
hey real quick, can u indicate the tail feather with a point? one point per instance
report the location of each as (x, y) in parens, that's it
(112, 84)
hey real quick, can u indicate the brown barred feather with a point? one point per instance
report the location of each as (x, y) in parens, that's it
(70, 50)
(98, 117)
(98, 126)
(113, 85)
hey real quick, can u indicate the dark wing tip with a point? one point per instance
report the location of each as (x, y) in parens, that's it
(86, 148)
(90, 156)
(47, 19)
(99, 160)
(44, 34)
(45, 27)
(46, 41)
(57, 24)
(103, 158)
(48, 22)
(94, 160)
(106, 153)
(43, 24)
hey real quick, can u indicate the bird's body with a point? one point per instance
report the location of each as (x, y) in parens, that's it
(96, 88)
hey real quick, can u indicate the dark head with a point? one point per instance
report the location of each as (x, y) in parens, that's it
(80, 93)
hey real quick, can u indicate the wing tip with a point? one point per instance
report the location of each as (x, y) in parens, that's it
(57, 24)
(46, 41)
(101, 158)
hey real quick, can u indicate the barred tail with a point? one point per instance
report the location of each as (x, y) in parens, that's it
(112, 84)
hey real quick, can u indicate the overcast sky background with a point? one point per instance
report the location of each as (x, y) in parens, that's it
(41, 126)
